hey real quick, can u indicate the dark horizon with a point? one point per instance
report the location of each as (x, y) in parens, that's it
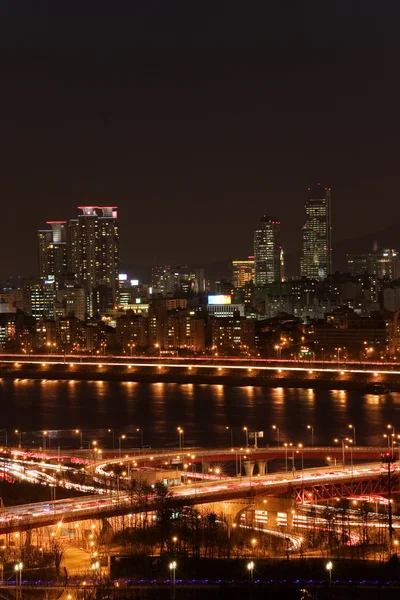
(195, 121)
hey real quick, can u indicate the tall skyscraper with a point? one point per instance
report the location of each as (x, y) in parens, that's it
(88, 247)
(316, 257)
(53, 259)
(94, 247)
(267, 252)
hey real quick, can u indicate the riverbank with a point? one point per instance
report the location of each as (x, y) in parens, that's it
(225, 374)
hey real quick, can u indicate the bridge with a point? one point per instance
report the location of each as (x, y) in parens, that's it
(193, 369)
(308, 485)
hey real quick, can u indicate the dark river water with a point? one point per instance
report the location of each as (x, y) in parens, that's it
(203, 411)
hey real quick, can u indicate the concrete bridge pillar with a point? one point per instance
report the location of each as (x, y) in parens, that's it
(262, 467)
(248, 467)
(205, 466)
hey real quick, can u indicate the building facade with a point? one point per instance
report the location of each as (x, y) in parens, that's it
(242, 272)
(316, 257)
(267, 252)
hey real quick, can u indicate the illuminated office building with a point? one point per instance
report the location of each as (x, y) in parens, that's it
(267, 252)
(53, 256)
(242, 272)
(316, 257)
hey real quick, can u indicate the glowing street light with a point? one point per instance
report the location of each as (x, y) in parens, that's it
(276, 428)
(79, 431)
(246, 432)
(329, 567)
(121, 437)
(311, 428)
(250, 568)
(172, 568)
(18, 574)
(181, 438)
(354, 433)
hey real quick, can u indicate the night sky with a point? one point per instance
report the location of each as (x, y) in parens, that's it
(195, 118)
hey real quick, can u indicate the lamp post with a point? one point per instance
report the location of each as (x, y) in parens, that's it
(18, 575)
(79, 431)
(121, 437)
(113, 437)
(246, 432)
(392, 435)
(172, 568)
(337, 441)
(311, 428)
(250, 567)
(19, 434)
(45, 433)
(276, 428)
(286, 456)
(301, 448)
(354, 433)
(329, 567)
(139, 430)
(181, 438)
(231, 432)
(95, 569)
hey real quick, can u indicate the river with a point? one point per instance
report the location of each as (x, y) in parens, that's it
(203, 411)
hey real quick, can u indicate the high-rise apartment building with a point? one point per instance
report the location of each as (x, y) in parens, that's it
(242, 272)
(53, 256)
(94, 247)
(267, 252)
(87, 246)
(316, 257)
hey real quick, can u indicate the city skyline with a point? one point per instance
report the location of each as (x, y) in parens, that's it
(271, 104)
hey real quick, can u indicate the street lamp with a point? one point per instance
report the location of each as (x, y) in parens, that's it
(250, 567)
(276, 428)
(301, 447)
(172, 568)
(231, 432)
(19, 434)
(286, 455)
(121, 437)
(95, 568)
(311, 428)
(113, 437)
(79, 431)
(354, 433)
(246, 432)
(181, 438)
(141, 435)
(18, 570)
(329, 567)
(337, 441)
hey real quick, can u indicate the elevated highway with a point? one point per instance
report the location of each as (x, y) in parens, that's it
(367, 477)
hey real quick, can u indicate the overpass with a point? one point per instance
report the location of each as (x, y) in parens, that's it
(302, 485)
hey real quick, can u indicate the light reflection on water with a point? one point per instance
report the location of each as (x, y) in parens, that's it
(204, 411)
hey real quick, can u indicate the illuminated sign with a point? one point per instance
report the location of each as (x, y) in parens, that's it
(219, 299)
(122, 277)
(134, 282)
